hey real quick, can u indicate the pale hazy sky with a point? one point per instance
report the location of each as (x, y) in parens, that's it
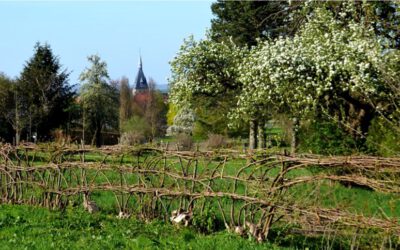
(116, 30)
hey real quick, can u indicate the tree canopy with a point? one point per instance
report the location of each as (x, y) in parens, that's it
(330, 67)
(99, 99)
(247, 21)
(336, 65)
(205, 76)
(44, 85)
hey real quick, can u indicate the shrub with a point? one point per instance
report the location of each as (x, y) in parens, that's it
(325, 137)
(134, 131)
(207, 221)
(382, 138)
(215, 141)
(132, 138)
(184, 141)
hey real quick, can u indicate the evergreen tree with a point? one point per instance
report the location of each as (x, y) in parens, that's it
(44, 85)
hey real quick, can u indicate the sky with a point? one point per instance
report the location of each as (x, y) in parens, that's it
(118, 31)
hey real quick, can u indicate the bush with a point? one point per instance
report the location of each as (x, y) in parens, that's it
(184, 141)
(215, 141)
(207, 222)
(325, 137)
(134, 131)
(60, 137)
(382, 138)
(132, 138)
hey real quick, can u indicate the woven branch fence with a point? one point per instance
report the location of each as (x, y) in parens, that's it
(244, 192)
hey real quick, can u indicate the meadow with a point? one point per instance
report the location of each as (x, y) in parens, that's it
(236, 200)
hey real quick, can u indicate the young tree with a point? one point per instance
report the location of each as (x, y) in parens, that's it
(156, 111)
(13, 107)
(98, 99)
(206, 72)
(125, 101)
(44, 86)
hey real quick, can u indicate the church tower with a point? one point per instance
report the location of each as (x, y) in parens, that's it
(140, 81)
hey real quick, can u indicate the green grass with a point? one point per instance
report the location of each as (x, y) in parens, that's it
(24, 227)
(38, 228)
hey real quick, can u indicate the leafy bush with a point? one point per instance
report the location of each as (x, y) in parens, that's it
(325, 137)
(207, 222)
(382, 138)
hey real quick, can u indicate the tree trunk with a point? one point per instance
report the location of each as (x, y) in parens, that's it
(295, 129)
(83, 129)
(98, 136)
(253, 135)
(261, 134)
(30, 127)
(17, 137)
(17, 123)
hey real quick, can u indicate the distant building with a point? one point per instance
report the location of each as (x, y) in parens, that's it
(140, 81)
(141, 88)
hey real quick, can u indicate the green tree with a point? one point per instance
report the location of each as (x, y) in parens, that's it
(45, 87)
(13, 108)
(98, 99)
(332, 68)
(247, 21)
(205, 76)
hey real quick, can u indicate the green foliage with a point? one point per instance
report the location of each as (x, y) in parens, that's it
(326, 138)
(383, 139)
(136, 123)
(205, 78)
(207, 222)
(135, 130)
(149, 104)
(247, 21)
(7, 107)
(98, 99)
(46, 92)
(172, 111)
(331, 68)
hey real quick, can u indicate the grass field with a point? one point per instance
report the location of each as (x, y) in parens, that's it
(25, 227)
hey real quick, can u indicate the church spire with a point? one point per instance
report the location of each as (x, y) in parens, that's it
(141, 81)
(140, 61)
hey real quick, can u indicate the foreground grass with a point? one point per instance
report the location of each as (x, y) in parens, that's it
(24, 227)
(37, 228)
